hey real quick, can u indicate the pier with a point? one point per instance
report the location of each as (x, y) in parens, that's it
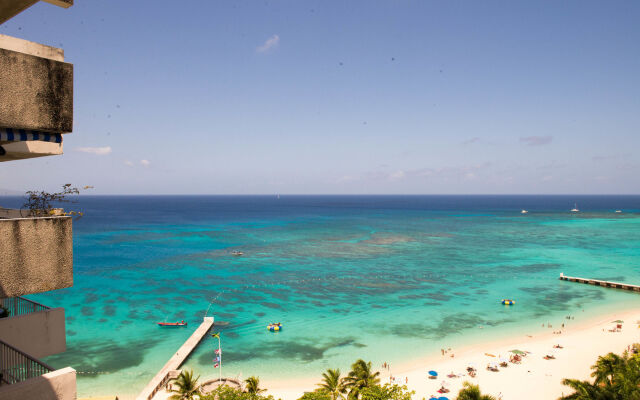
(170, 369)
(597, 282)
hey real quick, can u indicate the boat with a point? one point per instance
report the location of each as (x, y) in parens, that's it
(618, 211)
(508, 302)
(575, 208)
(277, 327)
(524, 212)
(181, 323)
(236, 253)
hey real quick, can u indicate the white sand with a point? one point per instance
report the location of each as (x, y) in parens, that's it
(534, 378)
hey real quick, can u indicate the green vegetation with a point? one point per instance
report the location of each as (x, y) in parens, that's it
(332, 384)
(229, 393)
(187, 388)
(41, 204)
(472, 392)
(615, 378)
(252, 386)
(359, 378)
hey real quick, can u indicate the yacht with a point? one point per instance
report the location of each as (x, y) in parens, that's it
(618, 211)
(524, 212)
(575, 208)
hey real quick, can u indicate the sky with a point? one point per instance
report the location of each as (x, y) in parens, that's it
(343, 97)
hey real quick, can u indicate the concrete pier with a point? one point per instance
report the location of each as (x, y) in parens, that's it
(170, 368)
(597, 282)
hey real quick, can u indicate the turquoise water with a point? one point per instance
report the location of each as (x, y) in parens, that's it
(382, 278)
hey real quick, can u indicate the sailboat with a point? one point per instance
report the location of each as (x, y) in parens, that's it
(524, 212)
(575, 208)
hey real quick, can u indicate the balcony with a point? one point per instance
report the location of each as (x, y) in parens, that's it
(36, 99)
(32, 327)
(25, 377)
(37, 253)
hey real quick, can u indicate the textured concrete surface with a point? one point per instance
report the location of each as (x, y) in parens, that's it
(31, 48)
(37, 255)
(36, 93)
(57, 385)
(11, 8)
(39, 334)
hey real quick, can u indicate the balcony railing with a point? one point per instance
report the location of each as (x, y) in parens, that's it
(20, 306)
(16, 366)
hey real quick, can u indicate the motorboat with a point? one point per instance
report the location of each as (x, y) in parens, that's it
(181, 323)
(236, 253)
(524, 212)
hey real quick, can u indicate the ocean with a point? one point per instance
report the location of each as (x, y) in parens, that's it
(384, 278)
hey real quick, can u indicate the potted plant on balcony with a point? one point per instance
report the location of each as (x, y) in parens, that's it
(41, 203)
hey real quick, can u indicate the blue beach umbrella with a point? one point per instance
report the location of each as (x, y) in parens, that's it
(433, 398)
(443, 398)
(433, 373)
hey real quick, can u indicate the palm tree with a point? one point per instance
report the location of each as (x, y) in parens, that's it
(585, 390)
(332, 384)
(472, 392)
(252, 386)
(605, 368)
(188, 387)
(360, 377)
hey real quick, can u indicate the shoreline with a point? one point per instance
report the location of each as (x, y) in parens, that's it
(534, 378)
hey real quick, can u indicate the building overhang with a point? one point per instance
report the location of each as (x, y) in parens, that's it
(11, 8)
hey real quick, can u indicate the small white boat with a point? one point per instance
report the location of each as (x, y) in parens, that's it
(618, 211)
(524, 212)
(575, 208)
(236, 253)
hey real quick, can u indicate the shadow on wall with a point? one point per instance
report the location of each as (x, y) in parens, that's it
(56, 385)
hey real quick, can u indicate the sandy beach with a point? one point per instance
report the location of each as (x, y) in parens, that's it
(534, 378)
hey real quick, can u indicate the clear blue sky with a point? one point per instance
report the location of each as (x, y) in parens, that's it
(344, 97)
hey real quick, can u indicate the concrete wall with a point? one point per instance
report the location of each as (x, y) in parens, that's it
(56, 385)
(39, 334)
(36, 255)
(36, 93)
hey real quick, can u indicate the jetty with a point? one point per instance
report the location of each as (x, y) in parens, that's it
(597, 282)
(171, 368)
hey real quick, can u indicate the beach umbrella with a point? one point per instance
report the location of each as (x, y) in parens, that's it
(517, 351)
(433, 398)
(433, 373)
(443, 398)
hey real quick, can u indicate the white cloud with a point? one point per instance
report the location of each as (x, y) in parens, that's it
(536, 140)
(269, 44)
(397, 175)
(128, 163)
(99, 151)
(145, 163)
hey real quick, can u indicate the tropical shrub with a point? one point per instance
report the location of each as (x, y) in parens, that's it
(386, 392)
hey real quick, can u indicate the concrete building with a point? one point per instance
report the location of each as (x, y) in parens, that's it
(36, 253)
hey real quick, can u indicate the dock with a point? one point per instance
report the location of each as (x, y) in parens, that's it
(170, 369)
(597, 282)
